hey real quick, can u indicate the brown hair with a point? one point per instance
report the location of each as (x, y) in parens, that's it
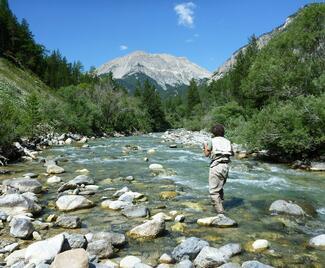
(218, 130)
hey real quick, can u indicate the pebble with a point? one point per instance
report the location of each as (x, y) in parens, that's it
(53, 179)
(260, 244)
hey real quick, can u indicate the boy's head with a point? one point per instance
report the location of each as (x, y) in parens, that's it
(218, 130)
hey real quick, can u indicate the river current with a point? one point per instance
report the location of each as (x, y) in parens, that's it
(250, 189)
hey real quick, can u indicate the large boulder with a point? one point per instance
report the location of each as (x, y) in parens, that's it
(24, 185)
(255, 264)
(21, 228)
(149, 229)
(318, 242)
(72, 202)
(67, 221)
(220, 220)
(82, 179)
(100, 248)
(54, 169)
(135, 211)
(116, 239)
(189, 248)
(74, 258)
(282, 206)
(44, 251)
(13, 204)
(209, 257)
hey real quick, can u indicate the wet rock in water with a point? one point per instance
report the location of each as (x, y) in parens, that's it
(260, 245)
(147, 230)
(167, 195)
(126, 197)
(54, 169)
(165, 258)
(9, 248)
(231, 249)
(282, 206)
(135, 211)
(16, 256)
(72, 202)
(184, 264)
(179, 227)
(255, 264)
(116, 239)
(151, 151)
(193, 206)
(156, 167)
(129, 262)
(318, 242)
(72, 258)
(230, 265)
(21, 228)
(161, 216)
(24, 185)
(317, 166)
(180, 218)
(13, 204)
(220, 220)
(100, 248)
(173, 146)
(3, 216)
(44, 251)
(121, 191)
(30, 175)
(67, 186)
(114, 205)
(189, 248)
(67, 221)
(68, 141)
(82, 179)
(53, 179)
(72, 241)
(209, 257)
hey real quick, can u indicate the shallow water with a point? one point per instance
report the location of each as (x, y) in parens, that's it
(251, 187)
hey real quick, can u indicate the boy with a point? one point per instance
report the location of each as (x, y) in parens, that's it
(219, 150)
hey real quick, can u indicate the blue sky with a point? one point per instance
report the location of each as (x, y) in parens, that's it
(204, 31)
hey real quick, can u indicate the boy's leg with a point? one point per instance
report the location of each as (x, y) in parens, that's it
(217, 179)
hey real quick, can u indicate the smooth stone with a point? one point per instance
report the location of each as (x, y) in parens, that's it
(151, 151)
(67, 221)
(36, 236)
(255, 264)
(209, 257)
(84, 170)
(44, 251)
(230, 249)
(180, 218)
(189, 247)
(184, 264)
(165, 258)
(21, 228)
(67, 186)
(129, 178)
(82, 179)
(73, 241)
(121, 191)
(68, 141)
(54, 169)
(167, 195)
(317, 166)
(163, 265)
(24, 185)
(260, 244)
(129, 262)
(73, 202)
(149, 229)
(318, 242)
(100, 248)
(142, 265)
(156, 167)
(30, 175)
(116, 239)
(111, 264)
(3, 216)
(74, 258)
(9, 248)
(135, 211)
(282, 206)
(173, 146)
(230, 265)
(114, 205)
(126, 197)
(53, 179)
(15, 257)
(161, 216)
(220, 220)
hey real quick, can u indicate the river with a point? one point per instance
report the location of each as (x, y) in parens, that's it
(251, 187)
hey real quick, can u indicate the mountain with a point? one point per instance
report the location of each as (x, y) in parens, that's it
(165, 71)
(262, 41)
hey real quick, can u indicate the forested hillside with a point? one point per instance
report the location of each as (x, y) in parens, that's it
(272, 98)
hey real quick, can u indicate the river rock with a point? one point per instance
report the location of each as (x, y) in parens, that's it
(44, 251)
(220, 220)
(3, 216)
(180, 218)
(156, 167)
(260, 245)
(24, 185)
(30, 175)
(317, 166)
(9, 248)
(161, 216)
(74, 258)
(83, 140)
(151, 151)
(82, 179)
(68, 141)
(230, 249)
(110, 264)
(73, 202)
(21, 228)
(184, 264)
(189, 248)
(318, 242)
(16, 256)
(13, 204)
(135, 211)
(116, 239)
(179, 227)
(54, 169)
(282, 206)
(149, 229)
(73, 241)
(165, 258)
(53, 179)
(126, 197)
(114, 205)
(67, 186)
(209, 257)
(100, 248)
(230, 265)
(129, 262)
(121, 191)
(67, 221)
(255, 264)
(167, 195)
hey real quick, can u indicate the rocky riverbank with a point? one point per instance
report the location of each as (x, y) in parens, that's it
(45, 219)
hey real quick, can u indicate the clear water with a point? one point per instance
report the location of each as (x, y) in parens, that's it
(251, 188)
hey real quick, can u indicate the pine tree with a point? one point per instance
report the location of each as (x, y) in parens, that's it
(193, 97)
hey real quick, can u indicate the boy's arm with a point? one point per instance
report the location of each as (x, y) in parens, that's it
(207, 149)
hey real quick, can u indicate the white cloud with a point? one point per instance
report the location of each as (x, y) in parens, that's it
(189, 40)
(185, 14)
(123, 47)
